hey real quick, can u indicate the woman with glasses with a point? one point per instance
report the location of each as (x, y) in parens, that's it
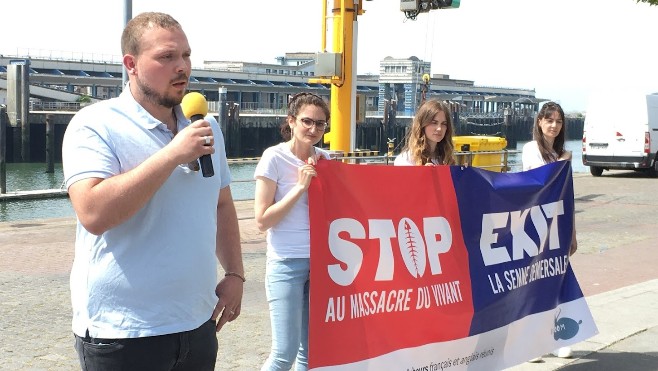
(547, 146)
(429, 141)
(283, 176)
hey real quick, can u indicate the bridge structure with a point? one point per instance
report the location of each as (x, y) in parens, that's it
(57, 83)
(256, 95)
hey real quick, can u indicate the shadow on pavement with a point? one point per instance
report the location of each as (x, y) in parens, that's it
(608, 360)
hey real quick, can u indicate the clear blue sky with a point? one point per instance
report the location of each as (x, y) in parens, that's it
(564, 49)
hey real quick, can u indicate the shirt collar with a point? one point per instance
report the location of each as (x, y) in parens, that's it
(142, 116)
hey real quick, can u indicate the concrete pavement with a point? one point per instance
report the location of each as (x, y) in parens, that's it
(615, 266)
(628, 334)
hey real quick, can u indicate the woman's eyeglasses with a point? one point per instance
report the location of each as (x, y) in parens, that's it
(308, 123)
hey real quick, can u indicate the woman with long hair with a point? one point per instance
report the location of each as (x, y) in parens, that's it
(547, 146)
(429, 140)
(548, 135)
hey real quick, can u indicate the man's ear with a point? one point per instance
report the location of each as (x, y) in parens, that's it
(129, 63)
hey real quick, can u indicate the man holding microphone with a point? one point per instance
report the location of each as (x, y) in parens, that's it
(144, 285)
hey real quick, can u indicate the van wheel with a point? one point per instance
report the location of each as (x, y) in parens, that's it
(652, 172)
(595, 170)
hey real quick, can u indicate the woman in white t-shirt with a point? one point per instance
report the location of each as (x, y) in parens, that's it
(548, 136)
(429, 141)
(283, 176)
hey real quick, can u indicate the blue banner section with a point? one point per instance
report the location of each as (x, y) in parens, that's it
(517, 228)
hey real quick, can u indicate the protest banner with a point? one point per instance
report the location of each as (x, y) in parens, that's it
(444, 267)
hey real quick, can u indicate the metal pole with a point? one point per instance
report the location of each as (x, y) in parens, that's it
(50, 145)
(25, 112)
(127, 16)
(353, 50)
(234, 113)
(507, 131)
(3, 141)
(222, 119)
(343, 111)
(222, 110)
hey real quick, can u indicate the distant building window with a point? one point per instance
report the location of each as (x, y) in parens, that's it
(267, 70)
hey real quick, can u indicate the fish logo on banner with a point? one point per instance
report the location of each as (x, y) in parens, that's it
(565, 328)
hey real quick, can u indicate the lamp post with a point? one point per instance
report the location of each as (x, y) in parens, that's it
(507, 118)
(127, 16)
(424, 88)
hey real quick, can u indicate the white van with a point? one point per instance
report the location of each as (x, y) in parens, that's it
(621, 132)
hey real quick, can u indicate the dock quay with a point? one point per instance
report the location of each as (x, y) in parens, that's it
(33, 195)
(615, 266)
(494, 160)
(254, 97)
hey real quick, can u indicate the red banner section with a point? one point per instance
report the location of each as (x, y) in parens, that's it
(388, 256)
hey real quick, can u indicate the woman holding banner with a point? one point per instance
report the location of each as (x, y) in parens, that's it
(548, 146)
(283, 176)
(429, 141)
(548, 136)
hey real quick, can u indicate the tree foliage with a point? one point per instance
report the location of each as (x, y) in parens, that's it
(650, 2)
(84, 99)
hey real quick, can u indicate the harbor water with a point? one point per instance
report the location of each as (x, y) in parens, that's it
(23, 177)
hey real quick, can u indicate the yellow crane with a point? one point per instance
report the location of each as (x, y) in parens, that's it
(338, 66)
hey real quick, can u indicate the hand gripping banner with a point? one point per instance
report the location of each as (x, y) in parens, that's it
(443, 267)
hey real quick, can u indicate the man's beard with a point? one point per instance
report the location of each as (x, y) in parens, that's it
(156, 98)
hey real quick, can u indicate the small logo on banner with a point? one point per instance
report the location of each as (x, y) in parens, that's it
(565, 327)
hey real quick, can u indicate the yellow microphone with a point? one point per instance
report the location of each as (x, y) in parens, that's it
(195, 108)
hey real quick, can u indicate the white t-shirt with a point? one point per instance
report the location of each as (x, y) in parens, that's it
(290, 238)
(404, 159)
(531, 157)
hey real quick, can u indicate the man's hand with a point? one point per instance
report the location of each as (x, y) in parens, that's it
(229, 300)
(192, 142)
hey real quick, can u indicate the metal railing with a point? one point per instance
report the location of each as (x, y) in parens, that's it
(464, 158)
(56, 106)
(497, 161)
(69, 56)
(250, 108)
